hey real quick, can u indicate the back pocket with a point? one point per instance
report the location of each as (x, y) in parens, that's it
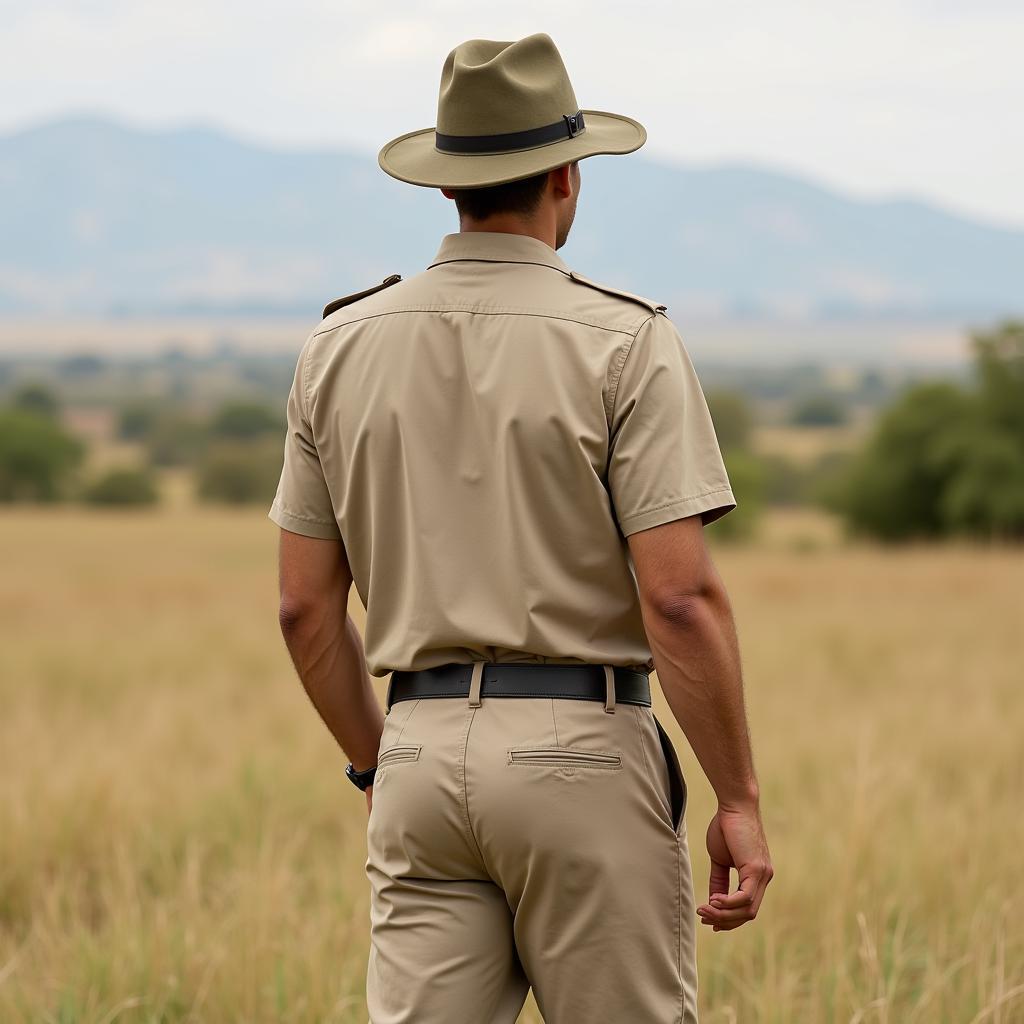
(397, 753)
(565, 757)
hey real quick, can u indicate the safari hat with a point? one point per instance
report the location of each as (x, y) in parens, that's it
(505, 110)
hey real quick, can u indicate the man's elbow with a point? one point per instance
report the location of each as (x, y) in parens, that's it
(690, 611)
(294, 615)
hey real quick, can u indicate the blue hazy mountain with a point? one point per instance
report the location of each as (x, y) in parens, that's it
(98, 217)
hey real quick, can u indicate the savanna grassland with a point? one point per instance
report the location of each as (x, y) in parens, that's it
(178, 842)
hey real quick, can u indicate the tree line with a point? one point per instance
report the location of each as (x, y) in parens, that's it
(942, 459)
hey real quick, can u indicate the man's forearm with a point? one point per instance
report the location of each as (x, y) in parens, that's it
(327, 651)
(696, 654)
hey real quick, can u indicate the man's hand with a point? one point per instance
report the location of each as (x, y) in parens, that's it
(736, 840)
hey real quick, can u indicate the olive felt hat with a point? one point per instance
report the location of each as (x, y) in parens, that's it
(505, 110)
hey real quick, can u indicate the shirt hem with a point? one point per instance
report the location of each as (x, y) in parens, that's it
(306, 527)
(711, 505)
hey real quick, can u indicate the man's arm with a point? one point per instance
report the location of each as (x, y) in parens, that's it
(692, 636)
(325, 645)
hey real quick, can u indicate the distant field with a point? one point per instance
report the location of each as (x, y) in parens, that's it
(178, 843)
(752, 342)
(803, 445)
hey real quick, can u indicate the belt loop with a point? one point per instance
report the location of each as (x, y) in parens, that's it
(609, 689)
(474, 685)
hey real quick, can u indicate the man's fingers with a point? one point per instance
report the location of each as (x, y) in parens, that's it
(760, 890)
(742, 897)
(726, 911)
(719, 881)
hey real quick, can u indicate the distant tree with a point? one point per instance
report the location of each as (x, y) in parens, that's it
(36, 398)
(784, 481)
(747, 477)
(826, 476)
(893, 489)
(943, 459)
(999, 362)
(243, 421)
(123, 486)
(733, 419)
(985, 493)
(37, 456)
(137, 421)
(176, 439)
(819, 410)
(237, 472)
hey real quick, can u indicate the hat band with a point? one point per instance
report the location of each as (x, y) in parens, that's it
(569, 127)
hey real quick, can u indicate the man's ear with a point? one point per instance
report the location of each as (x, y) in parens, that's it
(561, 181)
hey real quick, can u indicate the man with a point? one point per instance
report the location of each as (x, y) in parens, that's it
(514, 465)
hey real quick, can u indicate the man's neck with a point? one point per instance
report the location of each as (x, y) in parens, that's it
(513, 226)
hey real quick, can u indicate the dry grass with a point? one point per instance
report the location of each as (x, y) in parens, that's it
(804, 445)
(177, 842)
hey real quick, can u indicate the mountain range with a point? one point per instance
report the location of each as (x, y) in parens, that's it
(102, 218)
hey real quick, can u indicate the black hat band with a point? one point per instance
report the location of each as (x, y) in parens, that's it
(569, 127)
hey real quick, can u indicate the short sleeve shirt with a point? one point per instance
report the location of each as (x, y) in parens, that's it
(483, 437)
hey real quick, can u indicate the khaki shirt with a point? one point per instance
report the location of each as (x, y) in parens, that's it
(483, 436)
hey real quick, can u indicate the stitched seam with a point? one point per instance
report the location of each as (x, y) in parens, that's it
(406, 722)
(679, 928)
(399, 752)
(305, 379)
(626, 349)
(565, 764)
(533, 747)
(640, 734)
(676, 501)
(462, 779)
(454, 308)
(554, 723)
(486, 259)
(305, 519)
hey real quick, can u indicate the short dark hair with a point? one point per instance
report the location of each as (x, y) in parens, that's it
(520, 196)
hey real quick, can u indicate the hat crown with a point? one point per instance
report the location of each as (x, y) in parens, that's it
(491, 87)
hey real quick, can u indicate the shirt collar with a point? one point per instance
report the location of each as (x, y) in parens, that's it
(499, 247)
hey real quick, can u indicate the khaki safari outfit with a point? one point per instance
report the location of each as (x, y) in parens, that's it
(483, 436)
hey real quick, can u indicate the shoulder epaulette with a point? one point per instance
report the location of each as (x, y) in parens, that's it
(653, 306)
(346, 299)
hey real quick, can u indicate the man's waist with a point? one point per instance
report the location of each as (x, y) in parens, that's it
(582, 681)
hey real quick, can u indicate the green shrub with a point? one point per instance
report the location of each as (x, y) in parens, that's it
(137, 421)
(176, 439)
(747, 476)
(785, 481)
(37, 456)
(819, 410)
(36, 398)
(945, 460)
(245, 421)
(239, 472)
(123, 486)
(733, 419)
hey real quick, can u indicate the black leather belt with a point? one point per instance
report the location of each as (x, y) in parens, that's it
(520, 679)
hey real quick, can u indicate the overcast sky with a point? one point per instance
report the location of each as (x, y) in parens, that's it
(876, 97)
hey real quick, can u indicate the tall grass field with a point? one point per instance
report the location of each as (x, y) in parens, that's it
(178, 842)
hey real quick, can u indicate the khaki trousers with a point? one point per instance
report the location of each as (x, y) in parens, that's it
(528, 841)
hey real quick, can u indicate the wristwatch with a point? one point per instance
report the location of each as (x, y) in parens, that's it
(361, 780)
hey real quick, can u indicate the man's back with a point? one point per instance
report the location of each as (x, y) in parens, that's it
(490, 430)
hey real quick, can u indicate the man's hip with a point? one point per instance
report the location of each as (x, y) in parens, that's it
(562, 816)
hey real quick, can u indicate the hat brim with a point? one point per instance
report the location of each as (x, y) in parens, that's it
(413, 158)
